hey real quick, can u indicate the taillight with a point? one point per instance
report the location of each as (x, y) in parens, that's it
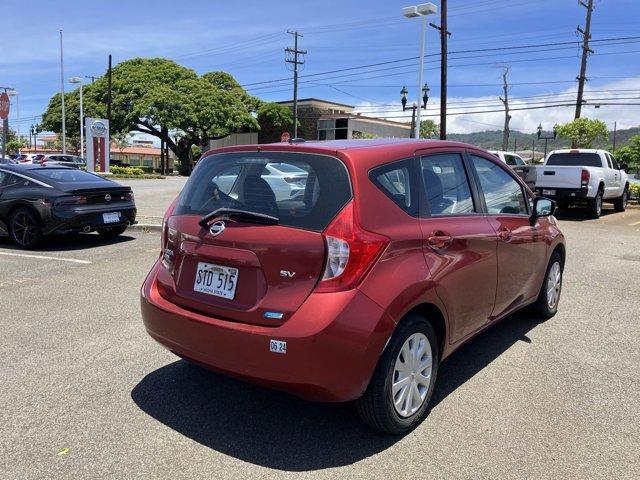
(584, 178)
(71, 200)
(351, 252)
(128, 197)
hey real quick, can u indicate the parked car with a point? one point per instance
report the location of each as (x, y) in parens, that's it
(32, 158)
(509, 158)
(7, 161)
(584, 177)
(60, 159)
(395, 253)
(39, 200)
(286, 181)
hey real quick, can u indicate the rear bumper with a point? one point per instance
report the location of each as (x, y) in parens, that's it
(79, 219)
(333, 342)
(577, 194)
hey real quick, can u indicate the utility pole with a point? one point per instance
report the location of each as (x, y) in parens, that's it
(292, 56)
(507, 116)
(64, 126)
(444, 35)
(109, 92)
(586, 36)
(615, 131)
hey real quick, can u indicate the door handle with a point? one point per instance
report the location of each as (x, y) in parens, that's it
(439, 240)
(505, 234)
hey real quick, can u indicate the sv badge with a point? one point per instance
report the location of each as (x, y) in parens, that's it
(287, 274)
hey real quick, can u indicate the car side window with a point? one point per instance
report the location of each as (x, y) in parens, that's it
(502, 193)
(608, 157)
(395, 180)
(510, 160)
(446, 185)
(3, 177)
(614, 162)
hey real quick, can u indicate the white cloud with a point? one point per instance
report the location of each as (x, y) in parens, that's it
(625, 92)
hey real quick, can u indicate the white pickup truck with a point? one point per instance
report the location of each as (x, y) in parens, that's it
(580, 176)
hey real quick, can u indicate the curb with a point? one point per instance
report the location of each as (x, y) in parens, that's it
(145, 227)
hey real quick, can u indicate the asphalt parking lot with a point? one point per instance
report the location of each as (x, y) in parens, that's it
(87, 394)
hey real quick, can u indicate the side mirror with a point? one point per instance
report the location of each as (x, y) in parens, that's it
(624, 166)
(542, 207)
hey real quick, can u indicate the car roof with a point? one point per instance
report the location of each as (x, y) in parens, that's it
(352, 148)
(27, 167)
(578, 150)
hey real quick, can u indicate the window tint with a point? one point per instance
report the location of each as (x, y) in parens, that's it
(510, 160)
(241, 180)
(502, 193)
(64, 175)
(227, 178)
(574, 159)
(395, 181)
(3, 177)
(609, 160)
(614, 162)
(446, 185)
(13, 179)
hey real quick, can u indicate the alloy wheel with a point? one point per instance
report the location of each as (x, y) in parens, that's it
(554, 284)
(24, 228)
(412, 375)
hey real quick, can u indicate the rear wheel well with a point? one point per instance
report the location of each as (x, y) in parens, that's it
(601, 187)
(434, 316)
(25, 206)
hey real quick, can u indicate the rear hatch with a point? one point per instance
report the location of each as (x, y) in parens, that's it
(564, 169)
(241, 267)
(558, 177)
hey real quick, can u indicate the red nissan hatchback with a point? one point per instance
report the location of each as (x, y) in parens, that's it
(348, 270)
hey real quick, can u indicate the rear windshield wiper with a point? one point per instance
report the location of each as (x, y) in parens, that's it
(235, 212)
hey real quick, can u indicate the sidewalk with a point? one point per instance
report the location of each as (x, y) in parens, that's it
(153, 197)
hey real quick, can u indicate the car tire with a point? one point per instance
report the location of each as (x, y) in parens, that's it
(377, 407)
(594, 206)
(112, 232)
(620, 203)
(24, 228)
(546, 305)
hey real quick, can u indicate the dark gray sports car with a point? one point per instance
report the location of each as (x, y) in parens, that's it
(38, 200)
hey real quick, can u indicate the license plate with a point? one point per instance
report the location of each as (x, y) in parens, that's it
(548, 192)
(216, 280)
(111, 217)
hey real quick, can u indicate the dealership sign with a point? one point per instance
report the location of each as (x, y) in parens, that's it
(97, 144)
(5, 106)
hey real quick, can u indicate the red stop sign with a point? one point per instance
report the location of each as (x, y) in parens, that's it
(4, 105)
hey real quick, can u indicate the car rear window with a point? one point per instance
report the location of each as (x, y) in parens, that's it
(574, 160)
(68, 175)
(241, 180)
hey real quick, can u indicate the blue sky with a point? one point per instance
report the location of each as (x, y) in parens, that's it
(247, 39)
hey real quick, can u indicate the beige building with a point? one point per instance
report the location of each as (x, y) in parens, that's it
(147, 156)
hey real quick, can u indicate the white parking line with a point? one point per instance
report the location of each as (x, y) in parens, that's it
(634, 224)
(43, 257)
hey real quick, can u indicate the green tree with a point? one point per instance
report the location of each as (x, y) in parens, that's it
(15, 144)
(429, 128)
(630, 153)
(275, 115)
(163, 99)
(583, 132)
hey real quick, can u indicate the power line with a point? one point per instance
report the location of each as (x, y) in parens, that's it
(411, 59)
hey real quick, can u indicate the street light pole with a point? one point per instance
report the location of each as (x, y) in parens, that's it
(80, 81)
(421, 10)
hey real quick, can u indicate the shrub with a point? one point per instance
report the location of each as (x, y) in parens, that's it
(126, 170)
(634, 189)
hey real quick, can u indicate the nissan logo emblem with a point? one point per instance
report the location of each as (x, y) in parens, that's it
(217, 228)
(107, 198)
